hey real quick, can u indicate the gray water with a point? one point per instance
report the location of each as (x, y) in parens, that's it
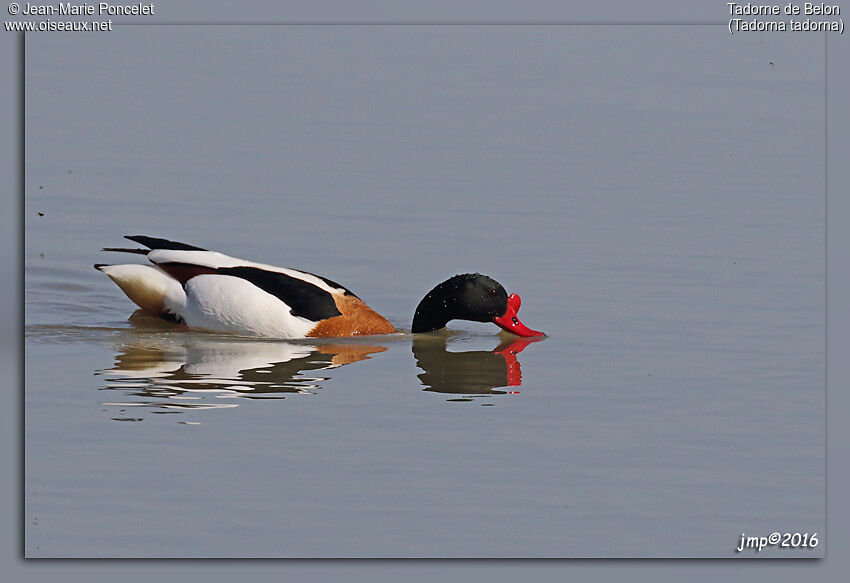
(654, 194)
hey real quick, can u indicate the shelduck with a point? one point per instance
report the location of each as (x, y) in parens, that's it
(211, 291)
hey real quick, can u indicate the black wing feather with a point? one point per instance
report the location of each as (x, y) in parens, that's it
(126, 250)
(157, 243)
(304, 299)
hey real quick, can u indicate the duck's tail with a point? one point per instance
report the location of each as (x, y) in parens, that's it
(148, 287)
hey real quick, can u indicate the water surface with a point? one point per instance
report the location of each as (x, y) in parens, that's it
(654, 194)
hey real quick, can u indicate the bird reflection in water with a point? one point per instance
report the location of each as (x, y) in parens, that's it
(171, 371)
(476, 372)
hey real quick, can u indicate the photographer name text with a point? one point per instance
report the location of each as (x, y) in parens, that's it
(99, 9)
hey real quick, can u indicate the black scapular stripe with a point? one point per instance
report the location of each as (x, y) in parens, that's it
(157, 243)
(304, 299)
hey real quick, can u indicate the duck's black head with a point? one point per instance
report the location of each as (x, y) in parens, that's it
(473, 297)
